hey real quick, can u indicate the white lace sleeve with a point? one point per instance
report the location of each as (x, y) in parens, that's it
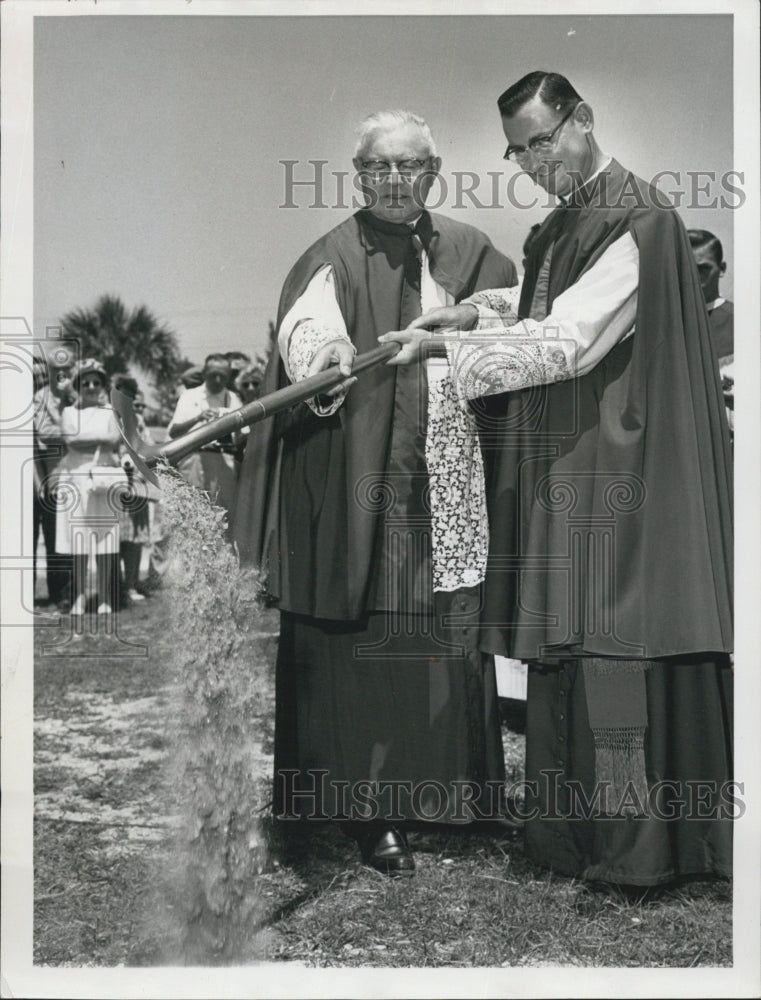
(496, 306)
(313, 321)
(525, 354)
(587, 321)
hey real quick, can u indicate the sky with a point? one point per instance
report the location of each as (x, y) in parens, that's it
(159, 141)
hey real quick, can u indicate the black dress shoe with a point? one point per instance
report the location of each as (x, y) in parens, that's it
(385, 849)
(501, 826)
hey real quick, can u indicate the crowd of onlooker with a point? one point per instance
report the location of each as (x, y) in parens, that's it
(100, 520)
(98, 517)
(222, 384)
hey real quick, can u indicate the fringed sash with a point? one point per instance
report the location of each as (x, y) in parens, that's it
(617, 707)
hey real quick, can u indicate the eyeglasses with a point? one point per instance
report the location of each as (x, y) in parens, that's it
(138, 406)
(540, 143)
(91, 383)
(381, 169)
(249, 385)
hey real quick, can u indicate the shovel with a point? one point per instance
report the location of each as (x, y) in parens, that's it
(146, 455)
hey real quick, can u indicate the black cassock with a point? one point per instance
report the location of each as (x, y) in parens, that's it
(611, 558)
(374, 683)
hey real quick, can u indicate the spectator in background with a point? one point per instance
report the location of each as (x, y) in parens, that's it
(54, 391)
(213, 467)
(88, 515)
(158, 539)
(238, 361)
(709, 256)
(134, 523)
(191, 378)
(249, 381)
(248, 386)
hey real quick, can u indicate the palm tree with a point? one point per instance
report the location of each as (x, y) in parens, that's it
(120, 339)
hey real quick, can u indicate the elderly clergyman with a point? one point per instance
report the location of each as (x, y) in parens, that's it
(386, 711)
(610, 511)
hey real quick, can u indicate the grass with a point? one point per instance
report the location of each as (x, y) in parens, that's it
(107, 891)
(139, 860)
(475, 901)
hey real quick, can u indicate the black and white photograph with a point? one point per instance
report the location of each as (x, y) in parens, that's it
(379, 612)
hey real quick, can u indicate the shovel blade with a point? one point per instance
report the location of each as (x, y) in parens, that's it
(139, 450)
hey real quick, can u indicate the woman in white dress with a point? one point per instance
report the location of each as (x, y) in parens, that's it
(89, 494)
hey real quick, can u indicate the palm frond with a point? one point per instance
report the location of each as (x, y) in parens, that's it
(120, 338)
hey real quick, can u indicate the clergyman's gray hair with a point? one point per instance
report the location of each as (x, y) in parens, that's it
(385, 121)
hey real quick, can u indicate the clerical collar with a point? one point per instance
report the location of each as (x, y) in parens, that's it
(603, 166)
(710, 306)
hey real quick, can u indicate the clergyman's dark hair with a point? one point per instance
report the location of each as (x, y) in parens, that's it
(551, 88)
(700, 238)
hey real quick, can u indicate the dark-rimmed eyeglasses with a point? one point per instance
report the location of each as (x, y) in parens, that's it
(540, 143)
(91, 383)
(381, 169)
(138, 406)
